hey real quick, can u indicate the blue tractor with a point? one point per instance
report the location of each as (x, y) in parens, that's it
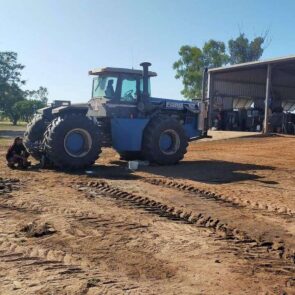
(121, 114)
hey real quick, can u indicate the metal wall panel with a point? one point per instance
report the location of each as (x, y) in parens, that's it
(285, 93)
(256, 76)
(224, 88)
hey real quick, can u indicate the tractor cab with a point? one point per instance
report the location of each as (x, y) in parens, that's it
(118, 90)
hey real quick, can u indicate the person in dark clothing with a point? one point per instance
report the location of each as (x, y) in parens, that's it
(110, 92)
(17, 154)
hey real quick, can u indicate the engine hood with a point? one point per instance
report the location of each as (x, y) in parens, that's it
(174, 104)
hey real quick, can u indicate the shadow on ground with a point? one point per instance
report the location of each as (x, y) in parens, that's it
(211, 171)
(118, 171)
(206, 171)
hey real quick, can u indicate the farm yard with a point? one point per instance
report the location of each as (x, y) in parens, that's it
(147, 147)
(220, 222)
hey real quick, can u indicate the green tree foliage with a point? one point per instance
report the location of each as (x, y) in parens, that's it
(10, 83)
(214, 54)
(41, 94)
(189, 69)
(15, 102)
(193, 60)
(242, 50)
(12, 96)
(25, 109)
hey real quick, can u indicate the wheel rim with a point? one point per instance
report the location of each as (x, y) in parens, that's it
(77, 143)
(169, 142)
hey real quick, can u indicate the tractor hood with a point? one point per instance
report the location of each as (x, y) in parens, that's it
(172, 104)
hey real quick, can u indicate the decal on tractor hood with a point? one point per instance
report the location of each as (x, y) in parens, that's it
(176, 105)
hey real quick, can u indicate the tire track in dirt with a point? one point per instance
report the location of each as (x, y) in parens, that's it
(36, 208)
(265, 227)
(8, 184)
(261, 255)
(13, 245)
(81, 223)
(16, 255)
(179, 214)
(58, 265)
(92, 221)
(236, 201)
(81, 218)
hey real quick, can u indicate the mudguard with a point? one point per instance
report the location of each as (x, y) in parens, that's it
(81, 108)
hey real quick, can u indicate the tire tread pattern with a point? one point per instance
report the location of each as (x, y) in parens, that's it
(54, 138)
(151, 149)
(34, 133)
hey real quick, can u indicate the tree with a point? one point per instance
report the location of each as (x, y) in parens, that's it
(41, 94)
(189, 68)
(13, 96)
(26, 109)
(10, 70)
(15, 102)
(10, 83)
(242, 50)
(214, 54)
(192, 62)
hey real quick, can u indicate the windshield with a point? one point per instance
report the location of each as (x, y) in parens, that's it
(104, 86)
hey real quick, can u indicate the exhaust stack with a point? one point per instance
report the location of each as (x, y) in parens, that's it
(145, 78)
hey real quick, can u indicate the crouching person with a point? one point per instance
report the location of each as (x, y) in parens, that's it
(17, 155)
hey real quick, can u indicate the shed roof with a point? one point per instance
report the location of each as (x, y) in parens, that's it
(254, 64)
(119, 71)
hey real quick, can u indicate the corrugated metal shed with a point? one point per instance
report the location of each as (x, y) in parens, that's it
(269, 83)
(248, 81)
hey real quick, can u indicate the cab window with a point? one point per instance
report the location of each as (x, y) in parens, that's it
(129, 89)
(104, 86)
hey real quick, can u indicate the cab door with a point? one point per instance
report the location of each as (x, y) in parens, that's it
(128, 96)
(127, 127)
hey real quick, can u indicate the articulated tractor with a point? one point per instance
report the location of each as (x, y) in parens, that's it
(121, 114)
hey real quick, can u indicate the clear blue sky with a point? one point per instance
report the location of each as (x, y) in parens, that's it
(60, 40)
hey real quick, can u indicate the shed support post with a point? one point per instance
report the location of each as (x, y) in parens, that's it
(203, 114)
(210, 98)
(267, 99)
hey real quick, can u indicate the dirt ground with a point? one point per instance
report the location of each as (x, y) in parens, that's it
(220, 222)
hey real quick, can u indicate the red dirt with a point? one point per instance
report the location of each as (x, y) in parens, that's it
(103, 243)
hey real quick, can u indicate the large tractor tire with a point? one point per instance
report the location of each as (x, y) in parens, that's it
(72, 142)
(130, 156)
(164, 141)
(34, 135)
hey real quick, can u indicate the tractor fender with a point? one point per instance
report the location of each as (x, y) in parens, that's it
(46, 113)
(71, 109)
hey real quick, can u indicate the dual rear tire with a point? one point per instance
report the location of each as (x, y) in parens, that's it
(72, 142)
(164, 141)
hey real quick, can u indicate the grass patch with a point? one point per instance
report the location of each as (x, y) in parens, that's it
(6, 125)
(5, 142)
